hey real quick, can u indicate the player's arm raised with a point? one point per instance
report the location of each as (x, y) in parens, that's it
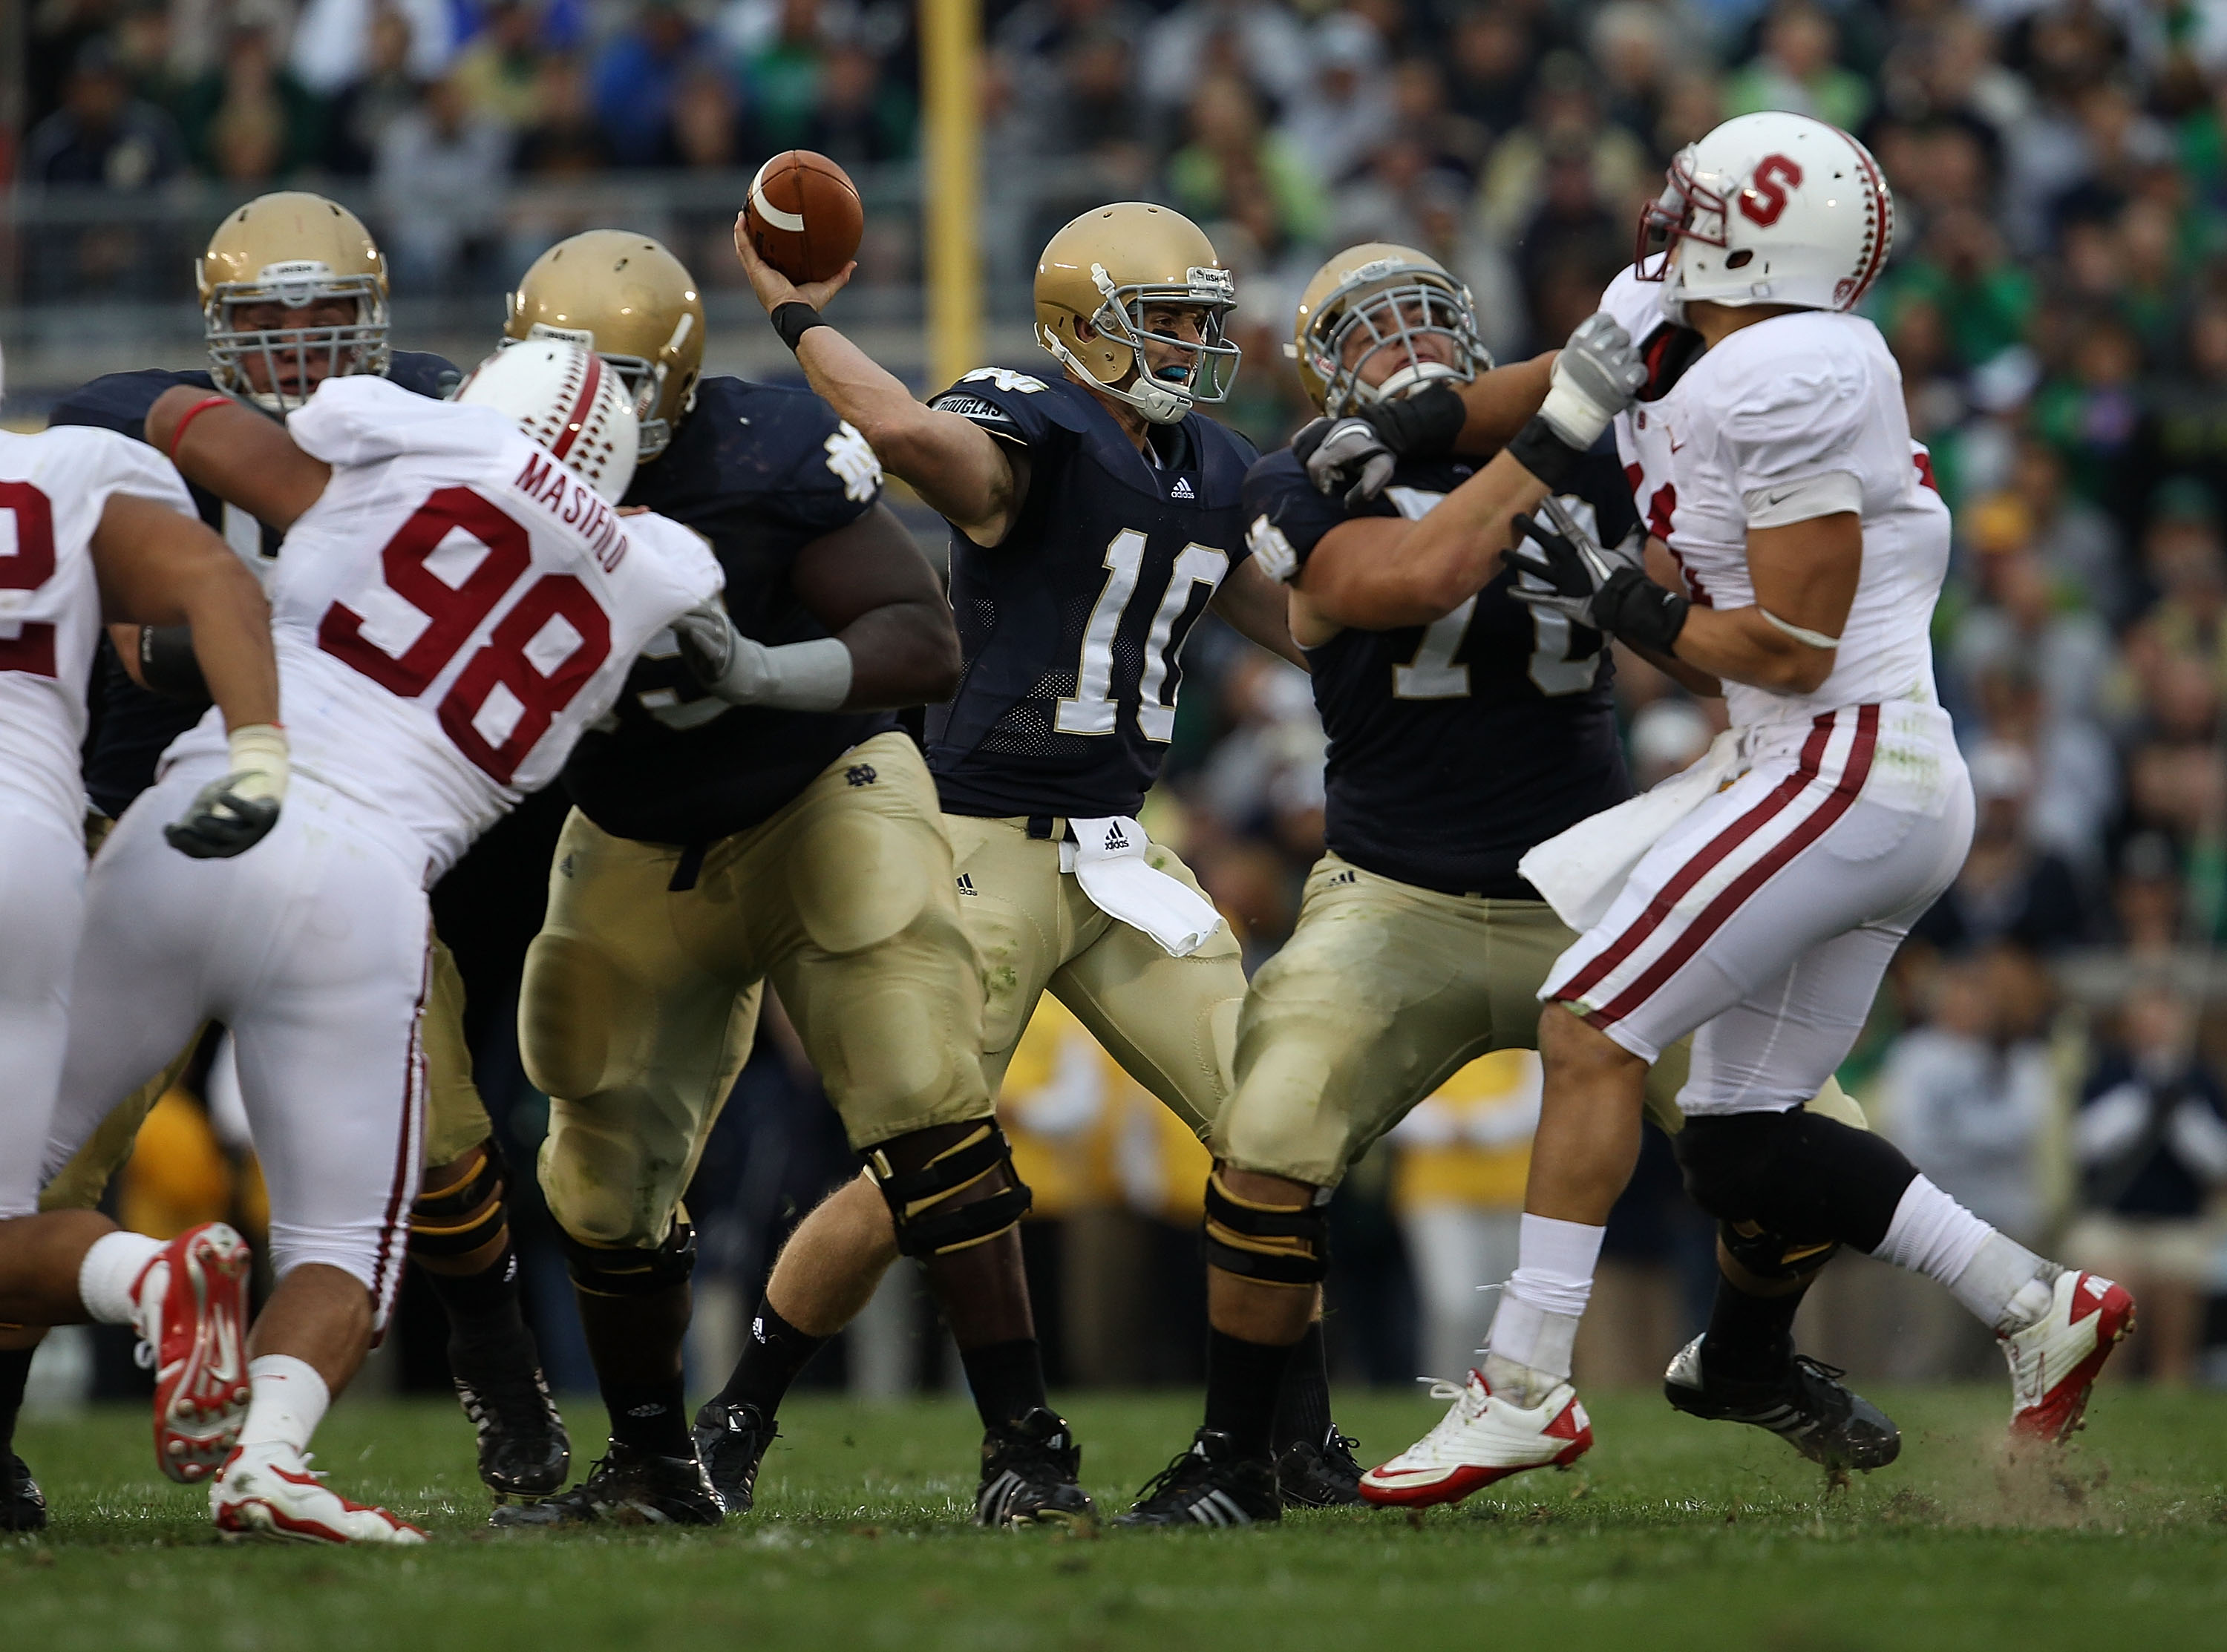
(237, 454)
(1379, 573)
(157, 566)
(959, 470)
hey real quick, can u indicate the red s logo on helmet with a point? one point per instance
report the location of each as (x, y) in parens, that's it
(1765, 198)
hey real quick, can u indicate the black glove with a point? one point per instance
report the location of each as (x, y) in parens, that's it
(1602, 590)
(221, 822)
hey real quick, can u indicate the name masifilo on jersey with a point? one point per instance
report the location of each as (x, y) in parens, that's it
(547, 483)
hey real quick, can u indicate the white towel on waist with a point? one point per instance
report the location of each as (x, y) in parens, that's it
(1581, 871)
(1108, 858)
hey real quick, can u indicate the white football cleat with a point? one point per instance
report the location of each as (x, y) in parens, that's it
(269, 1490)
(2055, 1361)
(190, 1308)
(1483, 1438)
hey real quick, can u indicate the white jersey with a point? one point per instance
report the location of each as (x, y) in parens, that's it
(1642, 440)
(452, 613)
(54, 487)
(1794, 418)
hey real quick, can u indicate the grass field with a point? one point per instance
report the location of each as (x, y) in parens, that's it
(1672, 1534)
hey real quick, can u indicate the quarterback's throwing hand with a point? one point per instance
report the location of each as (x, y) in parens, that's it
(1604, 589)
(231, 815)
(775, 289)
(1596, 377)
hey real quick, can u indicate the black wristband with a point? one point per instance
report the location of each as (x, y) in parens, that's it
(793, 320)
(1642, 612)
(168, 664)
(1546, 455)
(1425, 425)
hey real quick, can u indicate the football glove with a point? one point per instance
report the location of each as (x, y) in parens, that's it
(229, 816)
(812, 676)
(1355, 455)
(1564, 569)
(1596, 377)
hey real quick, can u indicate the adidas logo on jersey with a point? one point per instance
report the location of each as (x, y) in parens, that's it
(966, 884)
(1114, 838)
(1182, 489)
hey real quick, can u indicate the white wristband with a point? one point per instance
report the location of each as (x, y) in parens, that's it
(1577, 418)
(259, 761)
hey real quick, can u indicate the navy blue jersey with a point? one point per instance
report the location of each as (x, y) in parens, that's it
(1456, 746)
(1073, 628)
(760, 471)
(133, 728)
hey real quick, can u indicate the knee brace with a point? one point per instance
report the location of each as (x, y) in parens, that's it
(950, 1186)
(1774, 1256)
(462, 1218)
(1273, 1244)
(1798, 1176)
(616, 1270)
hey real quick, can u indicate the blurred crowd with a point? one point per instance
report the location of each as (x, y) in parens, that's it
(2050, 1043)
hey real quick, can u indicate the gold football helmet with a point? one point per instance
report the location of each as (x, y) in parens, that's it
(1385, 297)
(292, 248)
(633, 304)
(1094, 282)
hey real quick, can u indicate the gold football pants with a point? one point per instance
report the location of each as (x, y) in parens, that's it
(1171, 1021)
(640, 999)
(1383, 993)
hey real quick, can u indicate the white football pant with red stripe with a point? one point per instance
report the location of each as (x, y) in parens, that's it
(311, 948)
(1763, 922)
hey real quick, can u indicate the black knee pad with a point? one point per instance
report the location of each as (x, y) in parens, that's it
(1798, 1175)
(1276, 1246)
(619, 1271)
(950, 1186)
(1767, 1255)
(459, 1220)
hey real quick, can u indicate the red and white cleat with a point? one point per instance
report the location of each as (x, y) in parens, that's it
(269, 1490)
(191, 1303)
(1483, 1438)
(2054, 1361)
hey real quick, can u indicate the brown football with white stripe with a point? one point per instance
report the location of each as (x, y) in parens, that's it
(804, 216)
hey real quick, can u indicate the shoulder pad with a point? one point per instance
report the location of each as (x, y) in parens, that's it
(119, 401)
(1033, 407)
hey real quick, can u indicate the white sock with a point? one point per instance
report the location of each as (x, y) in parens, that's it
(290, 1401)
(1537, 1320)
(104, 1279)
(1932, 1234)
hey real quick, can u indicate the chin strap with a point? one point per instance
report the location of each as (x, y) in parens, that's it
(1151, 399)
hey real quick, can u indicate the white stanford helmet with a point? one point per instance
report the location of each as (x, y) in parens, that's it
(1769, 209)
(563, 396)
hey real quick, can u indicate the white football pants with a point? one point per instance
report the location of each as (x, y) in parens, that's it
(312, 948)
(41, 911)
(1764, 922)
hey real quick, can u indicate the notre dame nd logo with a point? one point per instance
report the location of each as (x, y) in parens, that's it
(860, 775)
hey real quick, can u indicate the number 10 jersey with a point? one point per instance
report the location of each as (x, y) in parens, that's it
(1455, 746)
(454, 610)
(1072, 627)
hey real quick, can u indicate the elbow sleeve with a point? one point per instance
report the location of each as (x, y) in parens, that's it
(168, 665)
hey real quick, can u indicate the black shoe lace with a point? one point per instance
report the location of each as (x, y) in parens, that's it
(1186, 1467)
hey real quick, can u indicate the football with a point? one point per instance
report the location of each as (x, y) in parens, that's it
(804, 215)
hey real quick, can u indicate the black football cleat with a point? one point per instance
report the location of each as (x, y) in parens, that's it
(1209, 1484)
(732, 1441)
(523, 1450)
(1325, 1476)
(1029, 1473)
(22, 1505)
(1806, 1404)
(626, 1487)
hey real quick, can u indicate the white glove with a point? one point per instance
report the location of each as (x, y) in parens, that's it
(231, 815)
(812, 676)
(1596, 377)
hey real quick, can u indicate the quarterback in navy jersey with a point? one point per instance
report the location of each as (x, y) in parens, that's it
(293, 291)
(754, 813)
(1096, 513)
